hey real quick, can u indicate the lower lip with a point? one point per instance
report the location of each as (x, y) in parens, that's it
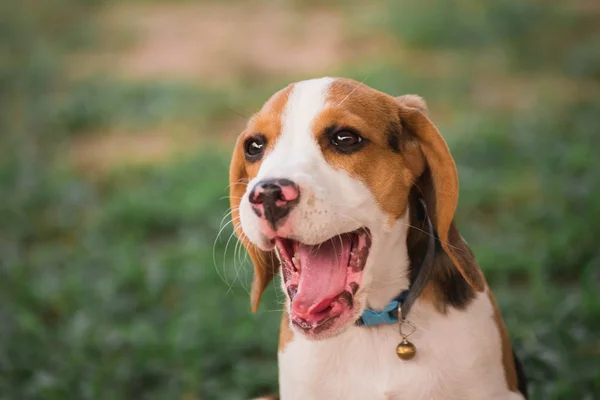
(316, 328)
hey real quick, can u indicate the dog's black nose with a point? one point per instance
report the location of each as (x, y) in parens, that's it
(273, 199)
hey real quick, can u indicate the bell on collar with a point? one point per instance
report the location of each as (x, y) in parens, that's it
(406, 350)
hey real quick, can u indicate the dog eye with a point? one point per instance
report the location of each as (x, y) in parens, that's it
(346, 141)
(254, 147)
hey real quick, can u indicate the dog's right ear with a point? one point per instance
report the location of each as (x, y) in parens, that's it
(265, 263)
(439, 186)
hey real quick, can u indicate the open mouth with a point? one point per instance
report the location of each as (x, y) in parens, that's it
(321, 280)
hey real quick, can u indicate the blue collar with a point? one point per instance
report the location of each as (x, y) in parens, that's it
(389, 315)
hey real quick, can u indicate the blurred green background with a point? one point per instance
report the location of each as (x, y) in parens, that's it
(117, 120)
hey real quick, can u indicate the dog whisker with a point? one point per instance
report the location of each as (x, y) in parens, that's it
(242, 181)
(354, 90)
(239, 114)
(221, 230)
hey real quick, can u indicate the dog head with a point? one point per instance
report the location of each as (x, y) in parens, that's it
(323, 184)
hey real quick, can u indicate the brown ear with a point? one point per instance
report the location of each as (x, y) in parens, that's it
(440, 188)
(265, 263)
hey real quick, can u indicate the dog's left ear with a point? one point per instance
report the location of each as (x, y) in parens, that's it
(438, 183)
(265, 263)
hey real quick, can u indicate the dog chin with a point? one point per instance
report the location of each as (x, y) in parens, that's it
(329, 327)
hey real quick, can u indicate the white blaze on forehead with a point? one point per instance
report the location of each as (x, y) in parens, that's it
(305, 102)
(296, 146)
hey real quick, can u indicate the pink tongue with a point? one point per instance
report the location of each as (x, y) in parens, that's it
(322, 274)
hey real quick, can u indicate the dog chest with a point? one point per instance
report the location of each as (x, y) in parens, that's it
(458, 357)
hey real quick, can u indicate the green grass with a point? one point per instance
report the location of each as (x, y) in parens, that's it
(117, 289)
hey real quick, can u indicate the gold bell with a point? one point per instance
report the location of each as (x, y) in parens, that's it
(406, 350)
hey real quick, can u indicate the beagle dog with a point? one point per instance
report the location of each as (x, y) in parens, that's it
(350, 193)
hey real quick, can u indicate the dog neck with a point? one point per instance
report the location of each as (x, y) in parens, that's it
(390, 271)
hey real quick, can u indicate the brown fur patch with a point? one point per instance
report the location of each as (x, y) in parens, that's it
(431, 294)
(286, 334)
(507, 351)
(266, 122)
